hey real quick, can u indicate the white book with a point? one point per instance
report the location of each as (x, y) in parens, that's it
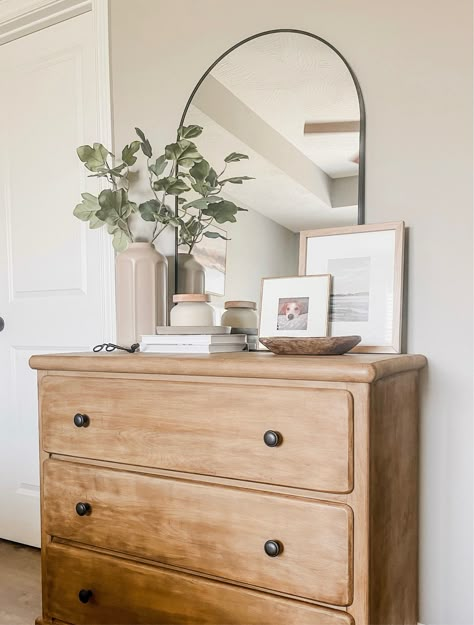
(194, 339)
(191, 349)
(193, 329)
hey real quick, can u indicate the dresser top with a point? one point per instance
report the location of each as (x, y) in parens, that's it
(347, 368)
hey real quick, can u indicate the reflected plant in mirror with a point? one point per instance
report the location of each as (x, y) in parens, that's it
(197, 216)
(183, 170)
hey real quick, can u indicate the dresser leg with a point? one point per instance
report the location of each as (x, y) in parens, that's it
(41, 621)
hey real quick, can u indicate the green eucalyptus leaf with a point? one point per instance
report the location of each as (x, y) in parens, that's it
(95, 157)
(145, 144)
(171, 185)
(192, 227)
(87, 208)
(233, 157)
(189, 132)
(149, 210)
(222, 212)
(153, 210)
(120, 240)
(159, 166)
(203, 202)
(116, 171)
(200, 171)
(211, 179)
(140, 133)
(115, 207)
(104, 172)
(146, 149)
(202, 188)
(215, 235)
(129, 151)
(236, 179)
(183, 153)
(95, 222)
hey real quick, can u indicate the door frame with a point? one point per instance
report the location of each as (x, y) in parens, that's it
(19, 18)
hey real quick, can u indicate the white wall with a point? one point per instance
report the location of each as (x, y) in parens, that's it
(414, 63)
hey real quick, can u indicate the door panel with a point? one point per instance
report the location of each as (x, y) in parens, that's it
(52, 277)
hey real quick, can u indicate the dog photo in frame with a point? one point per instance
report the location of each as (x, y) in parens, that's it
(295, 306)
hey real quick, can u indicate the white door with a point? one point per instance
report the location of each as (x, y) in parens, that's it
(54, 272)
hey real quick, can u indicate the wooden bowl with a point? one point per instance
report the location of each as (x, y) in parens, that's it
(310, 346)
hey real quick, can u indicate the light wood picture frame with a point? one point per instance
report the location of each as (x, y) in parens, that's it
(366, 263)
(307, 301)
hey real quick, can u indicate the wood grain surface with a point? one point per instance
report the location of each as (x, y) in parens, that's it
(310, 346)
(216, 530)
(184, 491)
(347, 368)
(393, 574)
(126, 593)
(207, 429)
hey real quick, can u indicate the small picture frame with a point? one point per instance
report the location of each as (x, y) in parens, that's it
(366, 264)
(295, 306)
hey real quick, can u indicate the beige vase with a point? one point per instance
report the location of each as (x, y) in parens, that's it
(141, 275)
(191, 275)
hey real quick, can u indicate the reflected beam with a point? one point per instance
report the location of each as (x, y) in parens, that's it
(221, 105)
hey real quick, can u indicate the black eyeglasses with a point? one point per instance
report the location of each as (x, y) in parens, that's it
(110, 347)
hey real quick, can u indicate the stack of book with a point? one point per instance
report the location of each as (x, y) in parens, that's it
(193, 343)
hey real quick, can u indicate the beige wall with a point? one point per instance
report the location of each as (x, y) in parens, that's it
(261, 238)
(414, 63)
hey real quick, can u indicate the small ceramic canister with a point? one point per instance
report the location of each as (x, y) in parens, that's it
(242, 317)
(192, 310)
(240, 314)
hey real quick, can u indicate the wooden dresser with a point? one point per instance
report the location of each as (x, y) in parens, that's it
(245, 489)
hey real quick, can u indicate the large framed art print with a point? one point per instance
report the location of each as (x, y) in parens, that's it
(366, 264)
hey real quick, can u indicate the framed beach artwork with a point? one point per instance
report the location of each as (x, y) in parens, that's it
(296, 306)
(212, 253)
(366, 264)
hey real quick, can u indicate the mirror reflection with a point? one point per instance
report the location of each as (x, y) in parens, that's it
(287, 101)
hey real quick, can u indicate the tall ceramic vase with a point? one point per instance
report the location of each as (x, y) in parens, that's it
(141, 275)
(191, 275)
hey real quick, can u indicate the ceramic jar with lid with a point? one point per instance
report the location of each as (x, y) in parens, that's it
(192, 310)
(240, 314)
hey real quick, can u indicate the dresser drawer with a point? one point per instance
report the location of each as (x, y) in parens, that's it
(211, 429)
(217, 530)
(129, 593)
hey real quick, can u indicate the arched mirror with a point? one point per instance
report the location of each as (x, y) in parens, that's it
(289, 102)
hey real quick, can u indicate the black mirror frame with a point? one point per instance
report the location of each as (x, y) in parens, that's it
(361, 187)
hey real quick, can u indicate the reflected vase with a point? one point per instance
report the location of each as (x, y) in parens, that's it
(141, 278)
(191, 275)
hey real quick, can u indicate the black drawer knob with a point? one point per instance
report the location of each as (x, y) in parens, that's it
(83, 508)
(273, 548)
(272, 438)
(81, 420)
(85, 595)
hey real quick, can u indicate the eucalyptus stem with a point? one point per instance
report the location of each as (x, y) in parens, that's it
(155, 236)
(150, 178)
